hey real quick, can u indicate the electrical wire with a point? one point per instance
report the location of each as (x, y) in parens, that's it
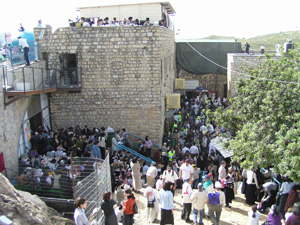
(247, 75)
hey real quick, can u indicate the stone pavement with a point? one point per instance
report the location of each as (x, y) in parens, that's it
(237, 215)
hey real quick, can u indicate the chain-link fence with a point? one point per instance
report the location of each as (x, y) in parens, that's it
(93, 187)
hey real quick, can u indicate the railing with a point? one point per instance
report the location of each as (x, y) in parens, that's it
(64, 177)
(143, 139)
(32, 78)
(123, 147)
(15, 54)
(76, 177)
(93, 187)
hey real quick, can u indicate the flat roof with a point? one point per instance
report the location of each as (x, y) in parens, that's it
(203, 40)
(93, 4)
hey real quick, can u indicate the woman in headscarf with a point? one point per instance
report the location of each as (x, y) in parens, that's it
(136, 175)
(152, 204)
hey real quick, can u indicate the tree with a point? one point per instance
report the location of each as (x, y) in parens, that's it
(264, 118)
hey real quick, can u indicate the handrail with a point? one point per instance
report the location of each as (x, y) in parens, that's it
(123, 147)
(143, 139)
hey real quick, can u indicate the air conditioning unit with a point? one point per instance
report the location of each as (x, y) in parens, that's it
(179, 83)
(173, 101)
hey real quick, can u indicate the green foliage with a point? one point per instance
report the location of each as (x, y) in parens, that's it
(264, 118)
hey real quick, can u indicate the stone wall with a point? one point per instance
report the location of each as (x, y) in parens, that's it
(211, 82)
(237, 64)
(11, 120)
(126, 74)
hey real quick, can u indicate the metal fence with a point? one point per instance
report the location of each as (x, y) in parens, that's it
(93, 187)
(33, 78)
(15, 54)
(64, 171)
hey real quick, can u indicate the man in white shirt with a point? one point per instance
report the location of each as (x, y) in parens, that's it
(212, 147)
(215, 205)
(186, 170)
(222, 171)
(176, 117)
(170, 175)
(159, 183)
(203, 128)
(211, 129)
(187, 202)
(151, 174)
(23, 43)
(184, 150)
(194, 149)
(198, 199)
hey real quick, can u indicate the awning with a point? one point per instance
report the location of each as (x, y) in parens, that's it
(212, 54)
(219, 144)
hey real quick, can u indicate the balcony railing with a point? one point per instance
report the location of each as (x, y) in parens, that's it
(15, 55)
(32, 80)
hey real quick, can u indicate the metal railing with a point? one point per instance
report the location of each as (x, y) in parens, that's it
(67, 173)
(32, 78)
(143, 139)
(123, 147)
(93, 187)
(15, 54)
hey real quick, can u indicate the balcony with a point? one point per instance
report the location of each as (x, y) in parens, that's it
(27, 81)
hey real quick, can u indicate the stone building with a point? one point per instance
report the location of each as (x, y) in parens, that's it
(237, 65)
(126, 73)
(95, 76)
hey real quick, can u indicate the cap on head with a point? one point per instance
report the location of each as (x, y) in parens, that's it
(218, 185)
(187, 160)
(206, 176)
(200, 185)
(149, 189)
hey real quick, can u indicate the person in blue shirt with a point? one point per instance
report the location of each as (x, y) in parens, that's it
(167, 204)
(96, 153)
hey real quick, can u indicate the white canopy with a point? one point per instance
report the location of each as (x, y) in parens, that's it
(219, 144)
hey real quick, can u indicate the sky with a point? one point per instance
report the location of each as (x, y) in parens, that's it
(194, 18)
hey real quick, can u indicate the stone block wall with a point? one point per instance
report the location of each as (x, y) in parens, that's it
(126, 74)
(237, 64)
(211, 82)
(11, 120)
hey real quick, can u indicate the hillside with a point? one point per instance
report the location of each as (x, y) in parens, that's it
(269, 40)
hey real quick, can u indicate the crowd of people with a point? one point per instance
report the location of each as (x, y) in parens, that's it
(92, 22)
(188, 160)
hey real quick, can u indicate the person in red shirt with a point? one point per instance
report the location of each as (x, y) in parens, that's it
(128, 208)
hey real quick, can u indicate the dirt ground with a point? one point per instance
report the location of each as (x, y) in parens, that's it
(238, 214)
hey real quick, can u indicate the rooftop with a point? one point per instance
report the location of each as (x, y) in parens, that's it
(95, 3)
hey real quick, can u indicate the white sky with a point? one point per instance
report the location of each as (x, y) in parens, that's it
(194, 18)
